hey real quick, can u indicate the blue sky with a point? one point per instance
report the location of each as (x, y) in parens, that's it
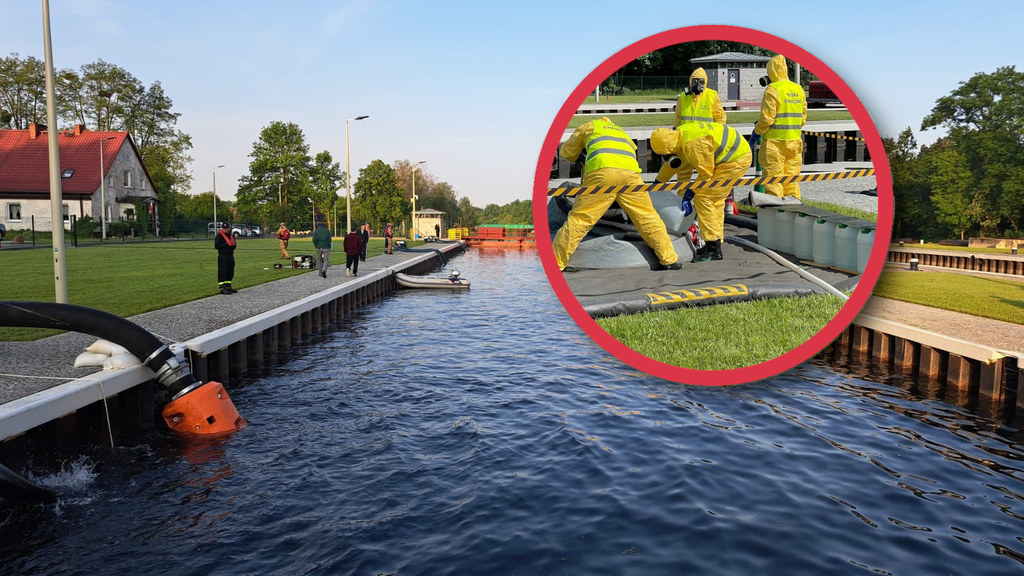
(471, 87)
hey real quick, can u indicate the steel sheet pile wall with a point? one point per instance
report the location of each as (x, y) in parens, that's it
(996, 263)
(965, 374)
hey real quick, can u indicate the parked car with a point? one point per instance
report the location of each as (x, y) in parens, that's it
(212, 227)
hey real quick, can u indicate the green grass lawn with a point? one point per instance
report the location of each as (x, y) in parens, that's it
(974, 295)
(754, 332)
(666, 119)
(129, 279)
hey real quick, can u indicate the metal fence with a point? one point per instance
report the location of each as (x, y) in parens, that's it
(632, 84)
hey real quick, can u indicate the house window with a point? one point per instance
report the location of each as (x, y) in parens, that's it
(127, 179)
(14, 212)
(67, 214)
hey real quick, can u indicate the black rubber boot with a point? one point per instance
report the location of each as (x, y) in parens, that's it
(713, 251)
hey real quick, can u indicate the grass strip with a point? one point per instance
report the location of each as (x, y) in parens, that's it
(994, 298)
(129, 279)
(724, 337)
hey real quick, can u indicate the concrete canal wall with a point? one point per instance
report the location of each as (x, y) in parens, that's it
(100, 407)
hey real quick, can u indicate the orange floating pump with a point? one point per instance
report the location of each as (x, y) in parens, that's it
(203, 409)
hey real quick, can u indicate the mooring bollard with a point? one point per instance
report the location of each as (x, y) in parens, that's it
(913, 264)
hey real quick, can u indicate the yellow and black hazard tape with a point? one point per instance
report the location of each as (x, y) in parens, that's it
(833, 135)
(694, 294)
(692, 184)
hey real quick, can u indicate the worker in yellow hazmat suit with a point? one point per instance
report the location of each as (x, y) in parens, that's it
(783, 115)
(716, 152)
(701, 104)
(610, 161)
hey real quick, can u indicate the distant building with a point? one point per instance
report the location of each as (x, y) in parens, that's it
(25, 177)
(734, 75)
(426, 219)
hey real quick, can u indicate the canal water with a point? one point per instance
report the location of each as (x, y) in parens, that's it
(482, 432)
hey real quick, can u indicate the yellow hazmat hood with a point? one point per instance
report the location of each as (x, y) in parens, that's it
(777, 68)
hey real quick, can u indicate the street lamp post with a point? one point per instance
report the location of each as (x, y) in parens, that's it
(348, 177)
(103, 193)
(414, 166)
(216, 223)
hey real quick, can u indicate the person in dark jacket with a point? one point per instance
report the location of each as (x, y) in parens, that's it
(353, 248)
(322, 243)
(224, 242)
(364, 233)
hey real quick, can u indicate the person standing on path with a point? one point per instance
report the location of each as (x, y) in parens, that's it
(437, 231)
(224, 242)
(783, 115)
(283, 235)
(322, 243)
(389, 239)
(364, 234)
(353, 249)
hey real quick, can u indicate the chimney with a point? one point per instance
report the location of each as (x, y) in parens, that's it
(79, 129)
(34, 130)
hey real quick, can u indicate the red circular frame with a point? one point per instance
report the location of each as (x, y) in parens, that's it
(795, 356)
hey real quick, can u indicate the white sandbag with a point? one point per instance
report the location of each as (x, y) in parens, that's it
(90, 359)
(121, 361)
(106, 347)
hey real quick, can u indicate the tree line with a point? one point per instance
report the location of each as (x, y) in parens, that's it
(971, 181)
(285, 182)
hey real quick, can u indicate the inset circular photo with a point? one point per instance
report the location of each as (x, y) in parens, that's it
(712, 205)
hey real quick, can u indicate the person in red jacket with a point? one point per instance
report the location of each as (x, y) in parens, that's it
(353, 248)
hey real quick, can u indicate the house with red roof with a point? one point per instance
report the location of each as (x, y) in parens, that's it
(84, 157)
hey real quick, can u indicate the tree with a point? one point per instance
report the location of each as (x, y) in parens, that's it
(378, 197)
(914, 214)
(469, 215)
(326, 177)
(278, 174)
(950, 180)
(984, 117)
(22, 92)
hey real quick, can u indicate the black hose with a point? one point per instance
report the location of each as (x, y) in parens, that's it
(133, 337)
(14, 488)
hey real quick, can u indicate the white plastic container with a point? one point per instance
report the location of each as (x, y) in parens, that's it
(767, 221)
(824, 251)
(846, 248)
(784, 231)
(803, 236)
(865, 239)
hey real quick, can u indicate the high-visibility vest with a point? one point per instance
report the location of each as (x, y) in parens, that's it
(701, 111)
(608, 146)
(729, 143)
(789, 117)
